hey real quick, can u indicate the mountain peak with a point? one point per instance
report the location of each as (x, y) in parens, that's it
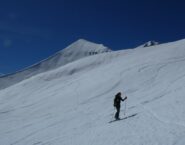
(81, 40)
(77, 50)
(149, 43)
(82, 45)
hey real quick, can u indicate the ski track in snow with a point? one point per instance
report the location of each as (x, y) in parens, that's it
(73, 103)
(162, 120)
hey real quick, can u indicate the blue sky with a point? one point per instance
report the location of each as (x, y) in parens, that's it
(32, 30)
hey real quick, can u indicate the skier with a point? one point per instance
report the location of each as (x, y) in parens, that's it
(117, 104)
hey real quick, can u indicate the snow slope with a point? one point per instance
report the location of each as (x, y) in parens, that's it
(75, 51)
(72, 105)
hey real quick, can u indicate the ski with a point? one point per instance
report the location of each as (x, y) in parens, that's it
(123, 118)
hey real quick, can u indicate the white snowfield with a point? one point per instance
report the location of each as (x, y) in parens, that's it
(75, 51)
(73, 104)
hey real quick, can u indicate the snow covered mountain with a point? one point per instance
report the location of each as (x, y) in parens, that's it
(72, 105)
(75, 51)
(149, 43)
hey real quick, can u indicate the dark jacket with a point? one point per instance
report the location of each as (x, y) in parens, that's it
(117, 100)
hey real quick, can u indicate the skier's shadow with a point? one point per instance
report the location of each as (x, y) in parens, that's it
(130, 116)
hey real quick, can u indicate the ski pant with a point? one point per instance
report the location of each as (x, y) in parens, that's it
(117, 113)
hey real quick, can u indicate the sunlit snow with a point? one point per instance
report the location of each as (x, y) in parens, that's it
(73, 104)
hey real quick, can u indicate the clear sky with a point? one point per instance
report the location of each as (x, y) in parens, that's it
(31, 30)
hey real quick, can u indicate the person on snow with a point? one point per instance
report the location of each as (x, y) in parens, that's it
(117, 104)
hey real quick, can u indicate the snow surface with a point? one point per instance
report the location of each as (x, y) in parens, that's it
(75, 51)
(72, 105)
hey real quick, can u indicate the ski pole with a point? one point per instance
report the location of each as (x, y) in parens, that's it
(114, 113)
(125, 107)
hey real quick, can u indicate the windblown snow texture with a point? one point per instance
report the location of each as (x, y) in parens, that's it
(72, 104)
